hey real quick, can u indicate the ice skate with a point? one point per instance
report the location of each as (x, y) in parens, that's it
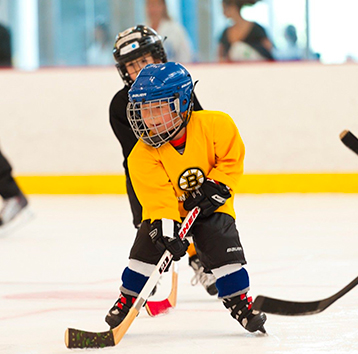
(14, 212)
(241, 309)
(119, 310)
(207, 280)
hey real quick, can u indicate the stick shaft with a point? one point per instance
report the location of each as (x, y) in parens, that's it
(155, 308)
(349, 140)
(75, 338)
(118, 333)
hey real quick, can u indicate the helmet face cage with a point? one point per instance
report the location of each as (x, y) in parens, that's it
(156, 122)
(135, 43)
(136, 66)
(160, 102)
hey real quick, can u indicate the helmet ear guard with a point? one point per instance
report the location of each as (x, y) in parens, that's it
(176, 103)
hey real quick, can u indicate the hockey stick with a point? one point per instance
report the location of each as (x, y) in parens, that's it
(75, 338)
(295, 308)
(349, 140)
(155, 308)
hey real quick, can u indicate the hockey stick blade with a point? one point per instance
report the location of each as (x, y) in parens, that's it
(295, 308)
(349, 140)
(155, 308)
(76, 338)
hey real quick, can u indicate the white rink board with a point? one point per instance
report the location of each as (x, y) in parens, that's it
(55, 121)
(63, 270)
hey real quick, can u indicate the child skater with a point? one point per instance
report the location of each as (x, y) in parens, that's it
(184, 159)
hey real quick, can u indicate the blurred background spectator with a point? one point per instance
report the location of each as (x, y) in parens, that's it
(244, 40)
(100, 50)
(176, 43)
(60, 32)
(5, 47)
(291, 50)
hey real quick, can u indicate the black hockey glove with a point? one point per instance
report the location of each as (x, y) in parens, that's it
(210, 196)
(164, 235)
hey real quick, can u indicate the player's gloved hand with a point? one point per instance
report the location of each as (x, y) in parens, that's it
(210, 196)
(165, 235)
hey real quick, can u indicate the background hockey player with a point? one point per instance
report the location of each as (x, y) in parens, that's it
(14, 203)
(184, 159)
(134, 49)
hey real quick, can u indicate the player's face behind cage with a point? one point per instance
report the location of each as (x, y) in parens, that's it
(135, 66)
(155, 122)
(134, 43)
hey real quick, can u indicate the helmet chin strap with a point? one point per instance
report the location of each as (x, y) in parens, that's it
(167, 136)
(176, 131)
(182, 126)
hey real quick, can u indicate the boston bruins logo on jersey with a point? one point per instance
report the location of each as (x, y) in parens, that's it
(191, 179)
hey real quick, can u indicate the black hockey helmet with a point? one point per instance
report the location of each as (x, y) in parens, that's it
(134, 43)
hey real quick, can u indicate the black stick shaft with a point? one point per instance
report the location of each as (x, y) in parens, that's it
(349, 140)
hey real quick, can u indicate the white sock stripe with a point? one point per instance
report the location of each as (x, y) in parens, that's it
(141, 267)
(243, 291)
(226, 270)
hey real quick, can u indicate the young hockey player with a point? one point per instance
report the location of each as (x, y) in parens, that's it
(184, 159)
(133, 50)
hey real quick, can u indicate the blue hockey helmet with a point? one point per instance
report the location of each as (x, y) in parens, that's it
(166, 88)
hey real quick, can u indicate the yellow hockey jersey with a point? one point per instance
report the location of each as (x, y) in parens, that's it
(162, 177)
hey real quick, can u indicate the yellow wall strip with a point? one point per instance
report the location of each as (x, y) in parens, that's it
(250, 183)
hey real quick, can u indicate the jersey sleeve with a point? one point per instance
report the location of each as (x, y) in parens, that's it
(229, 152)
(152, 185)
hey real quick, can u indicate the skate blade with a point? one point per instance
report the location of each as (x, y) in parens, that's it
(262, 330)
(24, 216)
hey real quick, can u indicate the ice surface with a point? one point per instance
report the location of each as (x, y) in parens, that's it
(63, 270)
